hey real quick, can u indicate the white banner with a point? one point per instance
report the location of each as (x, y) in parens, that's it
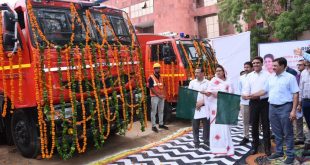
(232, 52)
(270, 51)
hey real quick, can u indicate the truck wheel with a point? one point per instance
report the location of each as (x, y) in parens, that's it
(8, 130)
(149, 108)
(25, 134)
(6, 123)
(167, 113)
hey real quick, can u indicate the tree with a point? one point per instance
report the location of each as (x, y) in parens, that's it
(290, 24)
(283, 19)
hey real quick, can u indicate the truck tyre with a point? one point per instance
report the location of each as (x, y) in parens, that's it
(167, 113)
(25, 134)
(149, 107)
(6, 124)
(8, 130)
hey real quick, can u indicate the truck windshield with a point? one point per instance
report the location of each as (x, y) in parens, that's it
(119, 26)
(56, 26)
(190, 50)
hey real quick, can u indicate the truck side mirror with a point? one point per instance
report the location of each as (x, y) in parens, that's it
(10, 28)
(166, 50)
(167, 60)
(8, 19)
(8, 41)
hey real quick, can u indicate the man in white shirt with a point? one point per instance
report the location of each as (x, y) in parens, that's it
(200, 84)
(304, 103)
(299, 122)
(283, 98)
(244, 104)
(258, 105)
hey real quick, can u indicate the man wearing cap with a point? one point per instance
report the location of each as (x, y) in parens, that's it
(156, 86)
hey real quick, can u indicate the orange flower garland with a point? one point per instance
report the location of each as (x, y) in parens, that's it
(116, 60)
(35, 54)
(50, 95)
(5, 104)
(88, 54)
(131, 106)
(143, 99)
(20, 75)
(12, 82)
(79, 75)
(173, 80)
(189, 62)
(106, 114)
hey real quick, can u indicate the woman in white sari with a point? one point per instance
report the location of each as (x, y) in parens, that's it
(220, 136)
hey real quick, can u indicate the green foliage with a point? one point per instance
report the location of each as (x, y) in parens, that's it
(290, 24)
(283, 19)
(230, 11)
(258, 35)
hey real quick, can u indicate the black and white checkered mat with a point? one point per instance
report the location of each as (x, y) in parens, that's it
(181, 151)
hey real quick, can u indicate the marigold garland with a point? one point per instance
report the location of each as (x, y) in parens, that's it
(116, 60)
(20, 75)
(12, 88)
(4, 110)
(189, 62)
(63, 147)
(50, 95)
(79, 75)
(130, 90)
(106, 114)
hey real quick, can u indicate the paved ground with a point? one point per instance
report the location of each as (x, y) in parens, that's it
(135, 138)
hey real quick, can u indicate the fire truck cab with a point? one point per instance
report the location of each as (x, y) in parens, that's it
(178, 57)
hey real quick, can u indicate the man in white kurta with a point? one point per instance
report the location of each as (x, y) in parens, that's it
(201, 113)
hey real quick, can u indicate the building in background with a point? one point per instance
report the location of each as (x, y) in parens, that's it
(197, 18)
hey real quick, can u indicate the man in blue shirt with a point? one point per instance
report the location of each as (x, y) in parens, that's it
(283, 99)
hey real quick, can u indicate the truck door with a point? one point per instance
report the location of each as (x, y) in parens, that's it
(14, 61)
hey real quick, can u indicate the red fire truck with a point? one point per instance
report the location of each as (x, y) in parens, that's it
(178, 57)
(69, 73)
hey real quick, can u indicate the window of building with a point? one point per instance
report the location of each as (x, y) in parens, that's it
(141, 9)
(209, 2)
(212, 26)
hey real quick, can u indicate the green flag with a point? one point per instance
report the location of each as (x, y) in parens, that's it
(228, 106)
(186, 103)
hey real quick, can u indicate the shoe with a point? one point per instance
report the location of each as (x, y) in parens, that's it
(244, 141)
(307, 146)
(305, 153)
(289, 161)
(207, 143)
(197, 146)
(274, 156)
(299, 142)
(155, 129)
(268, 153)
(163, 127)
(253, 152)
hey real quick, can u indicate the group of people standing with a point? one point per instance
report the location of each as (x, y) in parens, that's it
(267, 100)
(274, 100)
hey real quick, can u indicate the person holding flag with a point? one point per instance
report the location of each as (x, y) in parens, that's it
(201, 112)
(220, 136)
